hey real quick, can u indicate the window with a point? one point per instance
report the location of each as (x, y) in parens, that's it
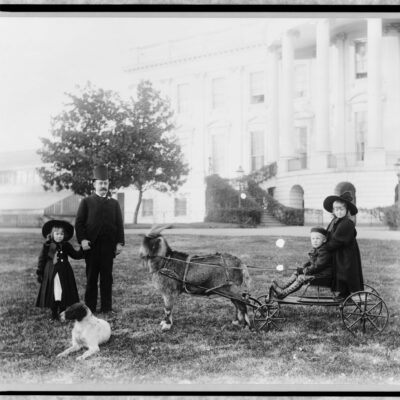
(217, 153)
(183, 98)
(147, 207)
(360, 126)
(300, 146)
(184, 141)
(360, 47)
(257, 87)
(218, 93)
(300, 142)
(180, 207)
(8, 177)
(300, 80)
(257, 149)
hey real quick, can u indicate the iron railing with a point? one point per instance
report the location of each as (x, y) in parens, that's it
(345, 160)
(298, 163)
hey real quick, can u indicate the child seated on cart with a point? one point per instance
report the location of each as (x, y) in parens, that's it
(318, 268)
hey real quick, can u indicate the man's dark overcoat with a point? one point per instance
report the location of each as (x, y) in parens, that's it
(53, 259)
(99, 220)
(99, 216)
(348, 277)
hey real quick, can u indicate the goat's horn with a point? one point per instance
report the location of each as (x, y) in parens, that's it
(155, 231)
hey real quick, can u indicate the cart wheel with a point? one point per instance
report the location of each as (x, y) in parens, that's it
(369, 288)
(253, 302)
(264, 299)
(364, 311)
(267, 316)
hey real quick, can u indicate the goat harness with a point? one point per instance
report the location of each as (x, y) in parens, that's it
(188, 262)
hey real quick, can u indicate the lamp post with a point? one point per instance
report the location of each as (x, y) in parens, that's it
(397, 169)
(242, 195)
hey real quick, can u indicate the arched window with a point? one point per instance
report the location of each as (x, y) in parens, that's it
(296, 197)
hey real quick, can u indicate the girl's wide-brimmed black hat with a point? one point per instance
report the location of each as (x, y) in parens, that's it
(58, 223)
(346, 198)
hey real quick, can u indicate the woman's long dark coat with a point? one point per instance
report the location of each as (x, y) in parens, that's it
(348, 277)
(47, 270)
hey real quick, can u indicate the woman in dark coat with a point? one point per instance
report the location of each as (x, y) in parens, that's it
(57, 281)
(348, 277)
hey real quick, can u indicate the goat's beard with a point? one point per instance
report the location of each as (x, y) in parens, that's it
(154, 264)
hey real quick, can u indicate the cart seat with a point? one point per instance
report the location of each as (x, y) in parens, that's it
(322, 282)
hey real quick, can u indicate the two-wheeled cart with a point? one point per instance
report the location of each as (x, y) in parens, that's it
(361, 312)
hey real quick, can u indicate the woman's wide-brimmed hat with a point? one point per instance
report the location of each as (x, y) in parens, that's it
(346, 198)
(58, 223)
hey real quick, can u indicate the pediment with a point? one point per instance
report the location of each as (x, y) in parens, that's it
(304, 114)
(256, 120)
(359, 97)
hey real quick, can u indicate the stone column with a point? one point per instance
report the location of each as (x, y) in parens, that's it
(322, 145)
(340, 125)
(374, 154)
(286, 114)
(238, 135)
(273, 142)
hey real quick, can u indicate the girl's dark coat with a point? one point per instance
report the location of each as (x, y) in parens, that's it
(348, 277)
(47, 270)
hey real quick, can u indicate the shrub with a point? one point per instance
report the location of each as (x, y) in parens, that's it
(242, 216)
(219, 194)
(222, 204)
(286, 215)
(264, 173)
(392, 216)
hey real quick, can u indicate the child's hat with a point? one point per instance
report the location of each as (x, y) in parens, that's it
(58, 223)
(346, 198)
(320, 230)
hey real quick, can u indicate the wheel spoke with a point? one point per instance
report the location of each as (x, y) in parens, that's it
(358, 320)
(376, 315)
(377, 304)
(267, 316)
(350, 313)
(373, 323)
(367, 312)
(263, 324)
(276, 312)
(356, 304)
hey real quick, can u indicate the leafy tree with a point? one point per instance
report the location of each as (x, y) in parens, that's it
(133, 137)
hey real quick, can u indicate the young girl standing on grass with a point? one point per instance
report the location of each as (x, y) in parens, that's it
(348, 277)
(57, 281)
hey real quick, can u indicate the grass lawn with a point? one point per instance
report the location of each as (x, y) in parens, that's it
(203, 346)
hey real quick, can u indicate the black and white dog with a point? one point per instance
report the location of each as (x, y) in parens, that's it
(88, 331)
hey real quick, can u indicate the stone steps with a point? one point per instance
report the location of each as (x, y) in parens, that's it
(268, 220)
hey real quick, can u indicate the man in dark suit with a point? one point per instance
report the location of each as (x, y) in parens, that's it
(100, 230)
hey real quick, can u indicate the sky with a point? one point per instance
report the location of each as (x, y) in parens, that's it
(42, 57)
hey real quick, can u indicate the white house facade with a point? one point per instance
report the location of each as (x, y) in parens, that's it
(23, 201)
(321, 97)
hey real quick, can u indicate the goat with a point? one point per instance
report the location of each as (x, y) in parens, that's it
(174, 272)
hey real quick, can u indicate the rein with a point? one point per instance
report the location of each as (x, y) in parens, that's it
(188, 261)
